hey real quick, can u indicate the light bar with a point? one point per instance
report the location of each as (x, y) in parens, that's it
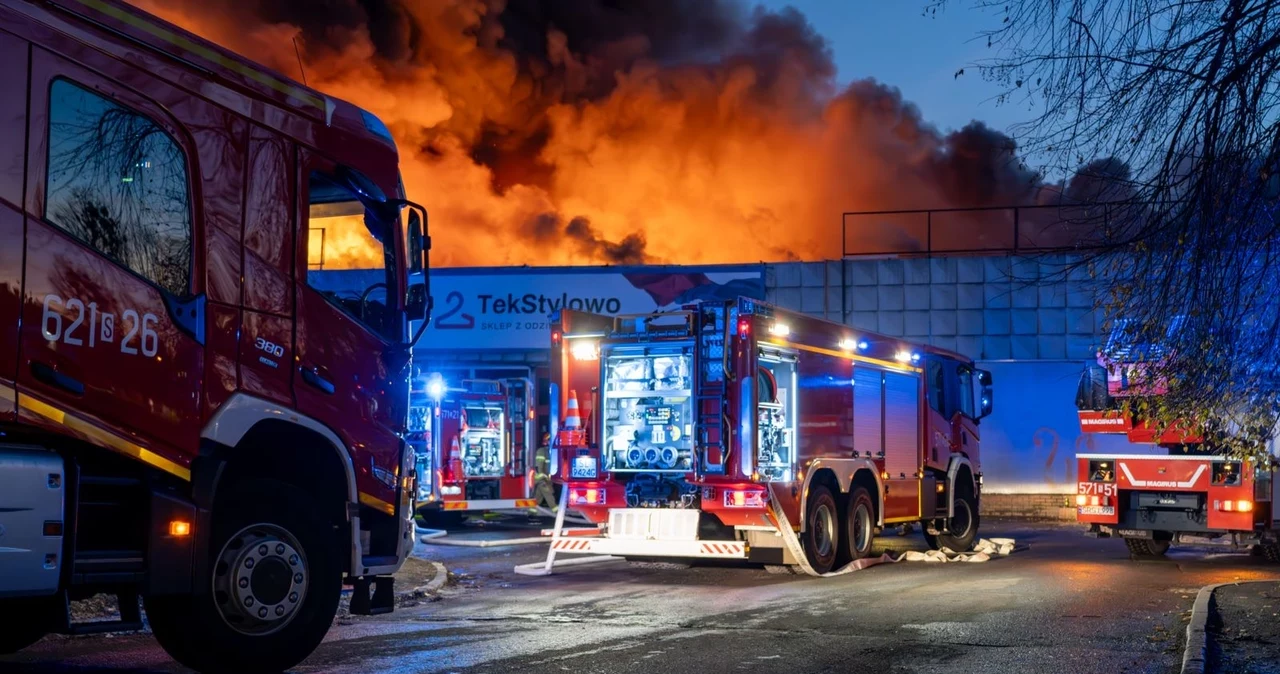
(850, 344)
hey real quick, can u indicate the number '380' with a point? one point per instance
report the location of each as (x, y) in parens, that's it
(89, 326)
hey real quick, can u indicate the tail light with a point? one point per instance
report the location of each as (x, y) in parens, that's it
(743, 498)
(1235, 506)
(1094, 500)
(586, 496)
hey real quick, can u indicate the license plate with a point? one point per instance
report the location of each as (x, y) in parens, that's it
(584, 467)
(1133, 533)
(1098, 510)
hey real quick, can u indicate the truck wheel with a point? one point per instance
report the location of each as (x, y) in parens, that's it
(860, 525)
(276, 576)
(962, 528)
(1142, 547)
(822, 530)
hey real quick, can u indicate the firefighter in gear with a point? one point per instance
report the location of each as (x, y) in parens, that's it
(544, 493)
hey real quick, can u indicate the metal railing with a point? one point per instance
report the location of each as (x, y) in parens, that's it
(979, 230)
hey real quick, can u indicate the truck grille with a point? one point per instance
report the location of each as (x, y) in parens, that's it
(653, 524)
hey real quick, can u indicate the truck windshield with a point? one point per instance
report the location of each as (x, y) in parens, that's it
(648, 410)
(351, 255)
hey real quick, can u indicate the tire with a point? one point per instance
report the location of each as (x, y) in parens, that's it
(1143, 547)
(212, 631)
(965, 517)
(860, 522)
(821, 536)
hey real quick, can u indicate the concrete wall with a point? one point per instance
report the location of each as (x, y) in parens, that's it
(989, 308)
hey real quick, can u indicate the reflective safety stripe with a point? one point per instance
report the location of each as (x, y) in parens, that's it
(110, 440)
(455, 505)
(206, 53)
(526, 503)
(377, 504)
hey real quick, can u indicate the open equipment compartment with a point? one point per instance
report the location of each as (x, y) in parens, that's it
(648, 409)
(777, 412)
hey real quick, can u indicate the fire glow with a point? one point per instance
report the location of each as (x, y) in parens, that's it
(541, 132)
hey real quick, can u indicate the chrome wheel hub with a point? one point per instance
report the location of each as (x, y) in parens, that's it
(260, 579)
(824, 530)
(861, 529)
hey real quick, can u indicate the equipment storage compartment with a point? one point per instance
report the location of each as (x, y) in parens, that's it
(648, 410)
(31, 518)
(484, 439)
(776, 402)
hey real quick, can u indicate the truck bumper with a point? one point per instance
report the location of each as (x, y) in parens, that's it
(622, 547)
(32, 519)
(489, 504)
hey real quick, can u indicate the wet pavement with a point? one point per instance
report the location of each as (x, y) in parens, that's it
(1067, 604)
(1244, 629)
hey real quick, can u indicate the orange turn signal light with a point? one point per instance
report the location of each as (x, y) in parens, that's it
(179, 528)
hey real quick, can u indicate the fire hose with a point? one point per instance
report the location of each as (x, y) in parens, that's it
(983, 551)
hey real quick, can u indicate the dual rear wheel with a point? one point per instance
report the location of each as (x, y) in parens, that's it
(829, 536)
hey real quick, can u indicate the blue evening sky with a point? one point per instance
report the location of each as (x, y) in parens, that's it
(891, 41)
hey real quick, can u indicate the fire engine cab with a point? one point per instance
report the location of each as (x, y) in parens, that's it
(1189, 493)
(724, 429)
(193, 417)
(476, 453)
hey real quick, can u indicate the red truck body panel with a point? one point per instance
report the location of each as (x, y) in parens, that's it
(120, 357)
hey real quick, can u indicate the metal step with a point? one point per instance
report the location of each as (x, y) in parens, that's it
(130, 618)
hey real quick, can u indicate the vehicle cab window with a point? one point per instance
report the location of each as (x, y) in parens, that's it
(351, 257)
(118, 182)
(966, 392)
(937, 388)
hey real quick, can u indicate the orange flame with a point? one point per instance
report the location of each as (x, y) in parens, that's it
(618, 154)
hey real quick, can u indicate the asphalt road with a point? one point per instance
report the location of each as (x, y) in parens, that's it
(1068, 604)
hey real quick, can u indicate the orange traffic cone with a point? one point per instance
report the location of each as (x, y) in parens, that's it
(455, 459)
(572, 419)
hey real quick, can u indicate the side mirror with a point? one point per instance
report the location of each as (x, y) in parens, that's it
(418, 305)
(419, 244)
(987, 399)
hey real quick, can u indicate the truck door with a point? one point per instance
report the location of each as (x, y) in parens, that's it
(112, 335)
(348, 374)
(902, 449)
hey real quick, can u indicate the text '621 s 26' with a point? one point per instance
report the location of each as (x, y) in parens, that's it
(94, 328)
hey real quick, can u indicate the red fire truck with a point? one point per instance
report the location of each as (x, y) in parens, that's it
(1188, 494)
(479, 455)
(189, 414)
(710, 431)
